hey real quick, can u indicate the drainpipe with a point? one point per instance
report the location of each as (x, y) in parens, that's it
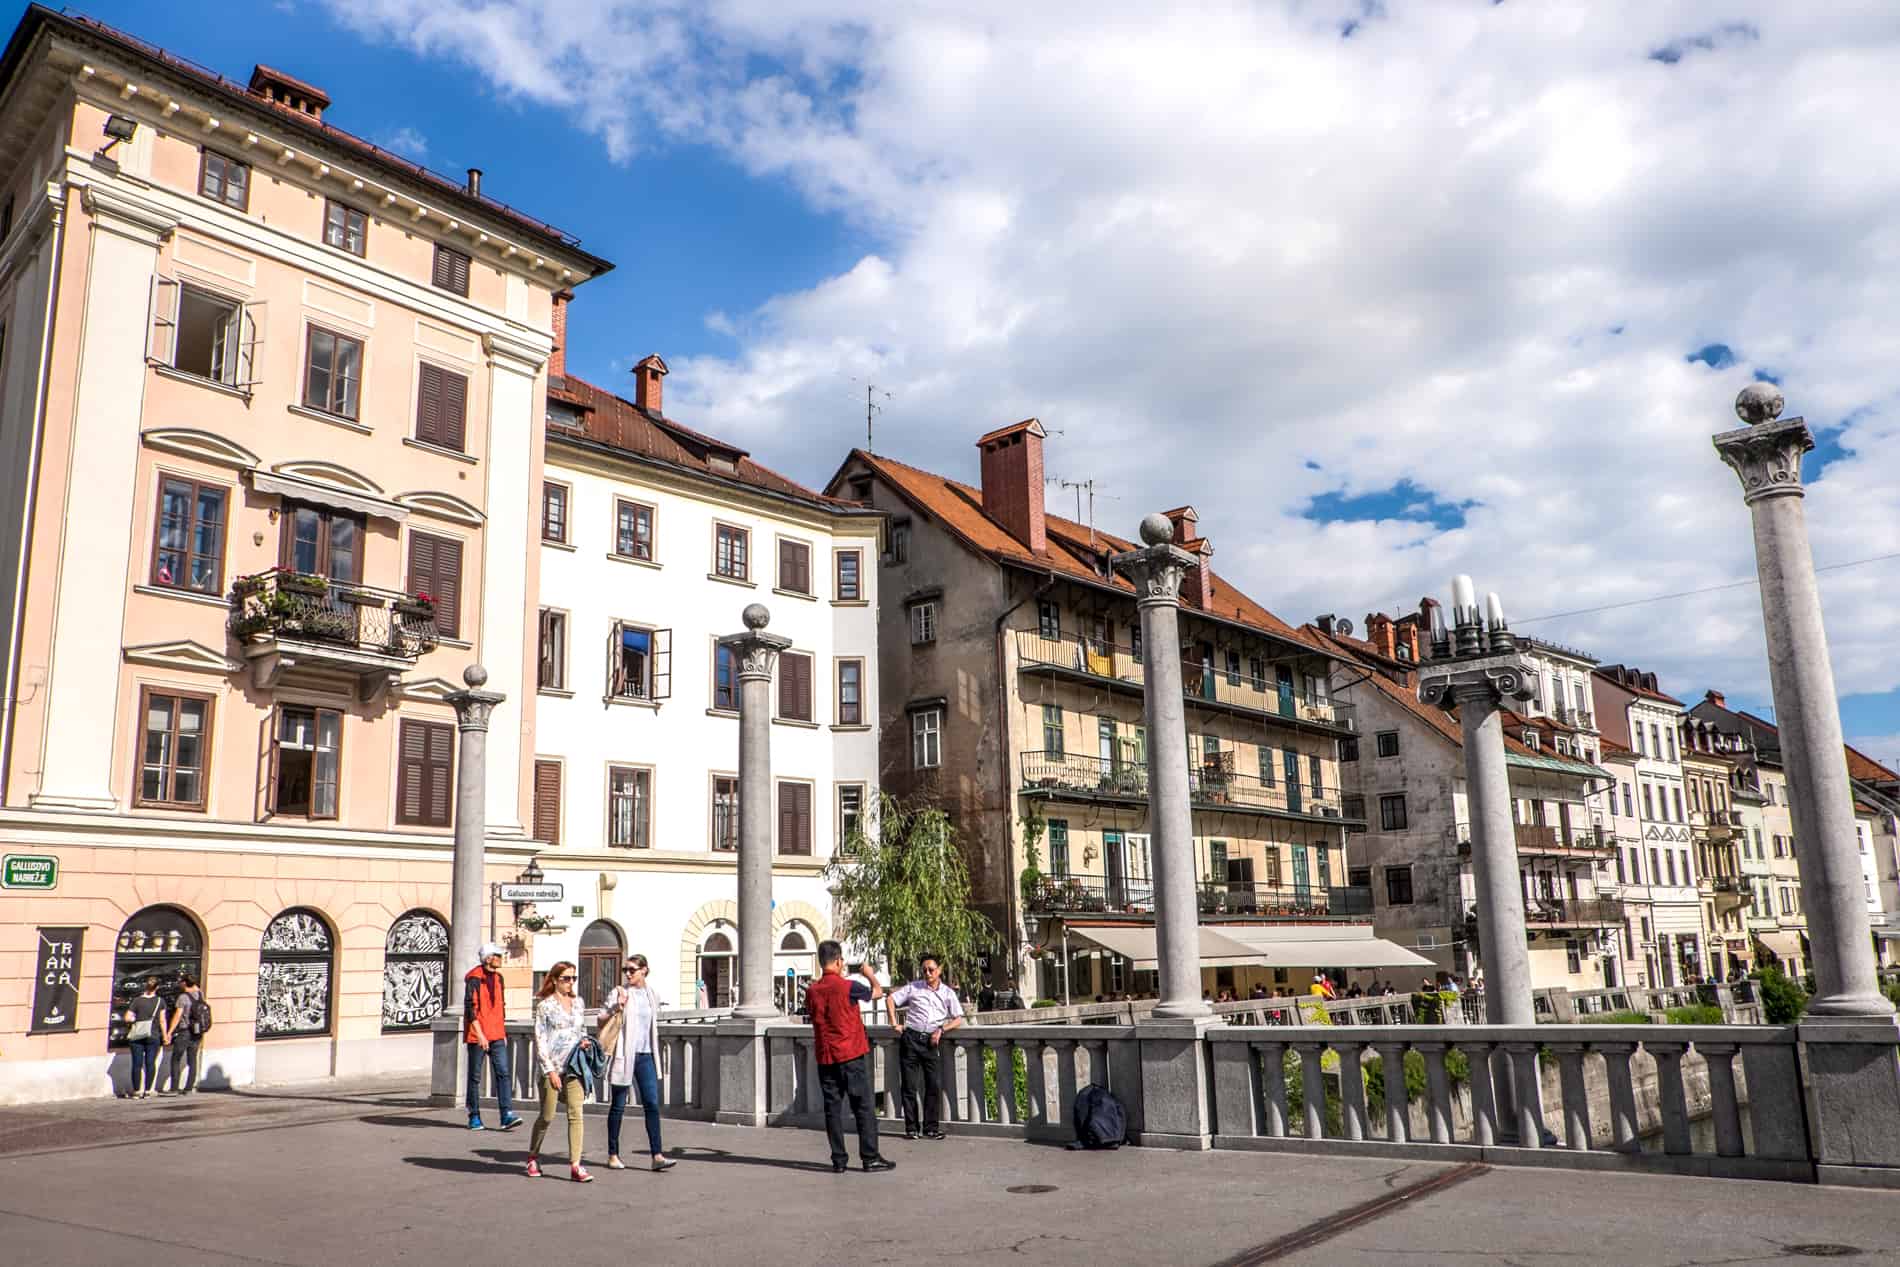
(1012, 888)
(17, 634)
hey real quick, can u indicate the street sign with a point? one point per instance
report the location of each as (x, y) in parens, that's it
(530, 892)
(29, 871)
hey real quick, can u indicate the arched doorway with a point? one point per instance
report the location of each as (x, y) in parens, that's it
(159, 941)
(793, 965)
(601, 954)
(294, 973)
(717, 962)
(415, 971)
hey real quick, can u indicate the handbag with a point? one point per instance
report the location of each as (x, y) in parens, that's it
(141, 1030)
(610, 1028)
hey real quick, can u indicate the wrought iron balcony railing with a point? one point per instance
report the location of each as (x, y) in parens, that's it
(1092, 895)
(281, 606)
(1234, 897)
(1576, 912)
(1538, 840)
(1211, 787)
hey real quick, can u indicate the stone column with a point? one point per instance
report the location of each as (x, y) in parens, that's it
(1766, 455)
(1503, 950)
(468, 884)
(742, 1056)
(1175, 1089)
(1156, 573)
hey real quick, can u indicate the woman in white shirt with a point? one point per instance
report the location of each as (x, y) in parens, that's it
(560, 1025)
(636, 1059)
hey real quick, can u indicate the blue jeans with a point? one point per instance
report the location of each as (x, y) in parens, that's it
(647, 1074)
(144, 1063)
(497, 1056)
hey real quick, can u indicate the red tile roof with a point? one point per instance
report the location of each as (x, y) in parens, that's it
(959, 508)
(1861, 766)
(1640, 692)
(616, 423)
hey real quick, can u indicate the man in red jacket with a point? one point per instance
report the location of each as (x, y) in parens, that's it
(485, 1029)
(843, 1051)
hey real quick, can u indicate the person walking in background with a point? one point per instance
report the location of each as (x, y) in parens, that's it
(144, 1018)
(485, 1031)
(843, 1054)
(560, 1028)
(636, 1058)
(182, 1036)
(931, 1010)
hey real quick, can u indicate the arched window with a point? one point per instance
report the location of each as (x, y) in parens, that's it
(415, 971)
(717, 961)
(792, 966)
(293, 976)
(159, 941)
(601, 953)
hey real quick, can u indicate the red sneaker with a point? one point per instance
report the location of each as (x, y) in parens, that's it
(534, 1168)
(578, 1173)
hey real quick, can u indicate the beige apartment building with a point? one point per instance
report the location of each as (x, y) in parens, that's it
(271, 444)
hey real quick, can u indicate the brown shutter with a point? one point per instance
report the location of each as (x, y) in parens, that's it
(787, 686)
(441, 774)
(795, 808)
(547, 802)
(787, 819)
(429, 405)
(451, 270)
(411, 757)
(804, 688)
(454, 411)
(435, 569)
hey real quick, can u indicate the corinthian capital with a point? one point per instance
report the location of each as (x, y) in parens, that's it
(1155, 571)
(1767, 457)
(474, 705)
(756, 650)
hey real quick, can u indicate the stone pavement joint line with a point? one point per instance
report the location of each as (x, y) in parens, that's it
(1332, 1225)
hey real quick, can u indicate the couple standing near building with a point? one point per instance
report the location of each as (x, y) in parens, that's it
(627, 1052)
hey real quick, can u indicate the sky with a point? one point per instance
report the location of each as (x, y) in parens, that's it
(1387, 289)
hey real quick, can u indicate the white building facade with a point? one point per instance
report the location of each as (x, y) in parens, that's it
(654, 539)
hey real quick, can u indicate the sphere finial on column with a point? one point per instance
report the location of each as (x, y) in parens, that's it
(756, 616)
(1156, 529)
(475, 676)
(1759, 403)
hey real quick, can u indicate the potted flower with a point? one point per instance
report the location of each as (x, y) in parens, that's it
(535, 923)
(290, 582)
(420, 604)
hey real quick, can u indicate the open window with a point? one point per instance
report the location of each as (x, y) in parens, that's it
(306, 745)
(205, 334)
(639, 662)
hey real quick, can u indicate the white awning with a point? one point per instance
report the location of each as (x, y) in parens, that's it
(1137, 943)
(1335, 946)
(1784, 945)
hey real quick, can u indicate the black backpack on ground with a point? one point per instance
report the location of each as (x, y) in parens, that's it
(1100, 1121)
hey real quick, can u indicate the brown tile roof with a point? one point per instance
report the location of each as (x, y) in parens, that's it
(618, 424)
(1614, 751)
(1861, 766)
(959, 508)
(1641, 692)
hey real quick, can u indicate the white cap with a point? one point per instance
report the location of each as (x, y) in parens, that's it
(490, 948)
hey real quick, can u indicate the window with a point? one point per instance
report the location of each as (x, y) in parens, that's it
(225, 180)
(794, 819)
(551, 673)
(1629, 805)
(725, 813)
(1134, 641)
(926, 739)
(333, 374)
(554, 513)
(345, 228)
(1636, 731)
(1649, 805)
(318, 541)
(1398, 886)
(1354, 807)
(450, 271)
(1048, 619)
(1265, 758)
(1388, 741)
(1676, 792)
(425, 773)
(848, 563)
(1058, 846)
(629, 807)
(794, 566)
(305, 745)
(1312, 773)
(633, 530)
(640, 663)
(1233, 668)
(923, 623)
(435, 572)
(415, 971)
(850, 814)
(1673, 755)
(174, 753)
(547, 802)
(159, 941)
(794, 686)
(1531, 740)
(1392, 812)
(1217, 861)
(441, 407)
(850, 692)
(1669, 859)
(293, 976)
(1349, 749)
(729, 552)
(1573, 956)
(900, 542)
(188, 546)
(204, 334)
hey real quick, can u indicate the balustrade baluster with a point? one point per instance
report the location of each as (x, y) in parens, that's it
(1527, 1085)
(1674, 1096)
(1036, 1071)
(1484, 1100)
(1616, 1069)
(1272, 1058)
(1068, 1081)
(1438, 1117)
(1006, 1109)
(1725, 1106)
(1397, 1103)
(1312, 1088)
(1352, 1090)
(1576, 1095)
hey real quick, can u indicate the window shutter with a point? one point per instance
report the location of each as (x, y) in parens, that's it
(804, 688)
(429, 405)
(454, 411)
(435, 569)
(412, 755)
(662, 653)
(547, 802)
(161, 342)
(250, 343)
(616, 680)
(441, 756)
(794, 811)
(451, 270)
(787, 685)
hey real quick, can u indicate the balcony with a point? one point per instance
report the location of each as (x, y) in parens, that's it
(1213, 788)
(1730, 891)
(1118, 668)
(1572, 912)
(1536, 840)
(290, 625)
(1233, 897)
(1091, 895)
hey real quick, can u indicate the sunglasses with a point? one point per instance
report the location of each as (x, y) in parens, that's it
(633, 969)
(569, 977)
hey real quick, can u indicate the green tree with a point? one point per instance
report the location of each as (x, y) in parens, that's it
(903, 888)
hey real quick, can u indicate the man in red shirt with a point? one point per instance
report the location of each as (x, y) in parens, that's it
(844, 1061)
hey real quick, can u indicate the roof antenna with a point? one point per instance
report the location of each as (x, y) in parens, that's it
(871, 407)
(1080, 486)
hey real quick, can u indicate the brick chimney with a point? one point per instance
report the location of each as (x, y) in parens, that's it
(1012, 482)
(557, 359)
(1197, 587)
(1326, 624)
(1406, 635)
(646, 385)
(288, 92)
(1382, 635)
(1716, 698)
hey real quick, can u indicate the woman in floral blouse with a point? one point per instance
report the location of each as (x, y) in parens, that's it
(560, 1025)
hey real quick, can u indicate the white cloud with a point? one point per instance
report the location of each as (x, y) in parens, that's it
(407, 142)
(1212, 243)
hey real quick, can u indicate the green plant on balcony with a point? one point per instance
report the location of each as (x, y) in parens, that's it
(302, 583)
(1034, 827)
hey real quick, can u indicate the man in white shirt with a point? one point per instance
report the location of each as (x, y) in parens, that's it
(931, 1010)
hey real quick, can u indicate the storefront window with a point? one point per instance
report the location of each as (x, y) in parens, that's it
(716, 963)
(415, 971)
(293, 976)
(159, 941)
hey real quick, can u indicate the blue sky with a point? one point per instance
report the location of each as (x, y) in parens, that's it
(1388, 292)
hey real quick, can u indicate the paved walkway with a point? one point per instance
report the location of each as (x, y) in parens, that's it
(366, 1173)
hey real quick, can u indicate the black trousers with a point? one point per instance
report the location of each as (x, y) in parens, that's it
(923, 1080)
(184, 1051)
(849, 1079)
